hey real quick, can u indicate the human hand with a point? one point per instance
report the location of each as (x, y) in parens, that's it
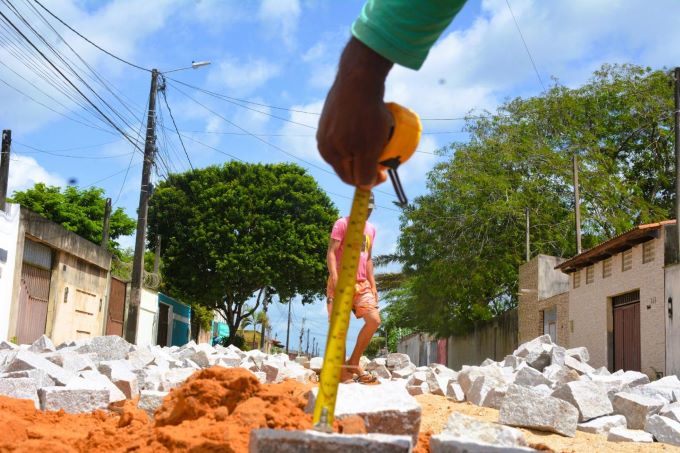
(355, 123)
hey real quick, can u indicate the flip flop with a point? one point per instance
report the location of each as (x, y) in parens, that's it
(366, 379)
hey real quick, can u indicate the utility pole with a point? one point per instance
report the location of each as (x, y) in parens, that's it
(577, 205)
(314, 347)
(290, 302)
(302, 334)
(140, 238)
(307, 348)
(105, 228)
(4, 166)
(676, 116)
(264, 318)
(157, 256)
(526, 212)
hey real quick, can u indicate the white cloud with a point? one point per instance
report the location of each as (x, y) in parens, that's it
(281, 17)
(242, 77)
(25, 172)
(301, 140)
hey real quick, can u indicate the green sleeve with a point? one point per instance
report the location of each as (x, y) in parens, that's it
(404, 30)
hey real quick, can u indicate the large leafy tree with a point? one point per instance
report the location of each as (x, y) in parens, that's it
(240, 232)
(462, 243)
(77, 210)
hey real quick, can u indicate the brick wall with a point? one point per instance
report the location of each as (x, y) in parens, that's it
(590, 308)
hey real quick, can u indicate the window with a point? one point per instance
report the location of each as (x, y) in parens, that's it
(577, 279)
(648, 251)
(590, 274)
(627, 260)
(607, 268)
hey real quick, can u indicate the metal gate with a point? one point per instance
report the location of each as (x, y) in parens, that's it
(33, 299)
(116, 312)
(627, 331)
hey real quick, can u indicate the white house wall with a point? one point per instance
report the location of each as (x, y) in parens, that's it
(147, 319)
(9, 231)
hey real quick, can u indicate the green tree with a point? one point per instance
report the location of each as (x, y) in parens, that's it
(229, 232)
(462, 243)
(77, 210)
(374, 347)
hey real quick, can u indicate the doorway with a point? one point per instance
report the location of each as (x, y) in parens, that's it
(626, 309)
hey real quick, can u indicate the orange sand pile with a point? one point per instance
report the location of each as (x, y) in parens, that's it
(214, 410)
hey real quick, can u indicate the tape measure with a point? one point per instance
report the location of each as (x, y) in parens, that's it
(402, 144)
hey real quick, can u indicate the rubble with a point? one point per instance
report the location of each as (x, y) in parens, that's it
(20, 387)
(663, 429)
(629, 435)
(587, 397)
(72, 401)
(463, 433)
(150, 401)
(602, 425)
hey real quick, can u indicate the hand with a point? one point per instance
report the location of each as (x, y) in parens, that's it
(355, 123)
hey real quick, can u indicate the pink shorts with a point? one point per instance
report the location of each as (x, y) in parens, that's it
(364, 300)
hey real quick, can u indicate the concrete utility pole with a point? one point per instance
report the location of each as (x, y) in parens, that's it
(577, 205)
(526, 212)
(302, 334)
(107, 218)
(307, 348)
(290, 303)
(676, 116)
(140, 239)
(4, 166)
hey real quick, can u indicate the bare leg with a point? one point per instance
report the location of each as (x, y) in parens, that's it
(371, 324)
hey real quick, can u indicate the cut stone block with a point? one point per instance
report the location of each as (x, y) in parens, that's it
(542, 389)
(663, 388)
(513, 361)
(463, 433)
(27, 360)
(602, 371)
(24, 388)
(533, 345)
(71, 361)
(304, 361)
(525, 408)
(42, 344)
(386, 408)
(403, 373)
(174, 378)
(560, 375)
(479, 392)
(468, 375)
(73, 401)
(119, 372)
(530, 377)
(363, 362)
(581, 354)
(150, 401)
(436, 383)
(488, 362)
(316, 363)
(418, 389)
(280, 441)
(636, 408)
(96, 381)
(40, 376)
(629, 435)
(632, 378)
(140, 358)
(454, 392)
(7, 346)
(261, 376)
(663, 429)
(417, 378)
(109, 347)
(540, 358)
(397, 361)
(557, 355)
(671, 411)
(578, 366)
(602, 425)
(587, 397)
(443, 371)
(381, 371)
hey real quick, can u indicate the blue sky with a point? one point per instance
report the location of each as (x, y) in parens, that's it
(283, 53)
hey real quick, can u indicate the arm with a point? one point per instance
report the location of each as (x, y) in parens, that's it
(333, 245)
(355, 124)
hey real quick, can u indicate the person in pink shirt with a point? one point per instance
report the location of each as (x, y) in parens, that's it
(365, 297)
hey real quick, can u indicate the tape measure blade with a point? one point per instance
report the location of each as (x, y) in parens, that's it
(334, 356)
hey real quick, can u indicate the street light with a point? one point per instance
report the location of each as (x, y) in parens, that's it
(149, 152)
(194, 65)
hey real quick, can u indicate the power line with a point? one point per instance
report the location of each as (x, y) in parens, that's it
(165, 98)
(114, 125)
(89, 41)
(507, 2)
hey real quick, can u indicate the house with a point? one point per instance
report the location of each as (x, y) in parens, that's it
(616, 299)
(52, 281)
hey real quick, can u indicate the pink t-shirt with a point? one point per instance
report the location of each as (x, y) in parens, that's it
(338, 233)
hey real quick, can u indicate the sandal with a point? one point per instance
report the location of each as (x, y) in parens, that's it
(366, 379)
